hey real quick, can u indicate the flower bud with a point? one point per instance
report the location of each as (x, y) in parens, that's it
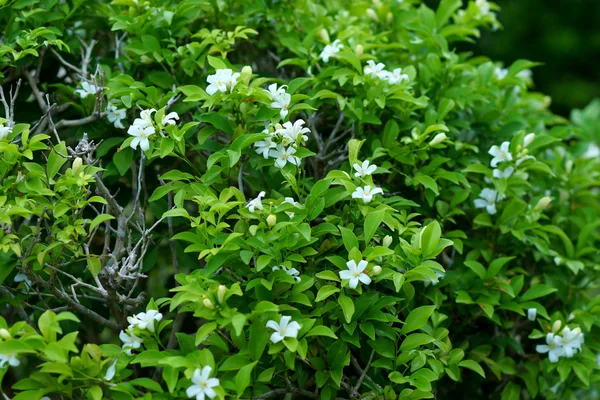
(372, 14)
(246, 74)
(271, 220)
(528, 139)
(569, 166)
(387, 241)
(221, 293)
(389, 17)
(556, 326)
(377, 3)
(77, 163)
(5, 334)
(376, 270)
(359, 50)
(542, 203)
(324, 35)
(208, 304)
(439, 138)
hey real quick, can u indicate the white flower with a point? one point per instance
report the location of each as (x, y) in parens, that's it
(115, 115)
(283, 329)
(531, 314)
(396, 76)
(331, 50)
(280, 99)
(170, 118)
(86, 90)
(145, 320)
(9, 359)
(256, 204)
(4, 131)
(262, 147)
(21, 277)
(487, 200)
(292, 202)
(503, 174)
(203, 384)
(141, 134)
(592, 151)
(484, 6)
(130, 341)
(571, 341)
(553, 347)
(500, 73)
(500, 154)
(364, 169)
(293, 272)
(295, 133)
(112, 369)
(376, 70)
(355, 273)
(222, 80)
(525, 74)
(366, 193)
(284, 155)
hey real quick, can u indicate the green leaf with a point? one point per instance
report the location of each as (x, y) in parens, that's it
(94, 265)
(242, 378)
(415, 340)
(326, 291)
(100, 219)
(56, 160)
(349, 238)
(417, 319)
(511, 391)
(473, 366)
(321, 330)
(347, 307)
(372, 222)
(477, 268)
(384, 347)
(537, 291)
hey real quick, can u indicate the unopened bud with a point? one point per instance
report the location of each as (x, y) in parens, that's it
(528, 139)
(208, 304)
(387, 241)
(246, 74)
(542, 203)
(271, 220)
(77, 163)
(324, 35)
(359, 50)
(556, 326)
(5, 334)
(389, 17)
(439, 138)
(569, 166)
(372, 14)
(376, 270)
(221, 293)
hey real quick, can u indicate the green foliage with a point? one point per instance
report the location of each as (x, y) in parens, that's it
(238, 201)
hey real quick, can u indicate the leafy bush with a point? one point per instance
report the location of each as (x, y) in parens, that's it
(276, 199)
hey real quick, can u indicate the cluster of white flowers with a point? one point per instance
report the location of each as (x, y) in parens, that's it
(86, 89)
(115, 115)
(4, 131)
(9, 359)
(280, 99)
(142, 128)
(378, 71)
(355, 273)
(143, 321)
(565, 344)
(222, 81)
(331, 50)
(283, 142)
(365, 193)
(285, 328)
(256, 204)
(293, 272)
(203, 384)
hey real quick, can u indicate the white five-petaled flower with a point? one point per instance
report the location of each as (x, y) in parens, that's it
(331, 50)
(86, 89)
(284, 155)
(552, 347)
(9, 359)
(506, 173)
(4, 131)
(280, 99)
(262, 147)
(221, 81)
(366, 193)
(396, 76)
(500, 154)
(355, 273)
(170, 118)
(292, 202)
(141, 134)
(285, 328)
(130, 341)
(295, 132)
(111, 371)
(115, 115)
(145, 320)
(293, 272)
(376, 70)
(487, 199)
(203, 384)
(256, 204)
(531, 314)
(572, 339)
(364, 169)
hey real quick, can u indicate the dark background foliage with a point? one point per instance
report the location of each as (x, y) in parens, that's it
(563, 34)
